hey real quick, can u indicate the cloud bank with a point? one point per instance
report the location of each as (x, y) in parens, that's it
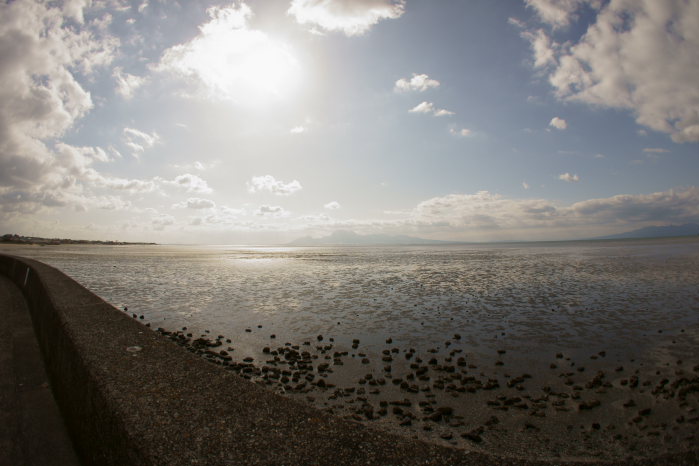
(41, 58)
(488, 211)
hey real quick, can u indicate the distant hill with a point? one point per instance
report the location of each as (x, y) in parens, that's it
(350, 238)
(10, 238)
(687, 229)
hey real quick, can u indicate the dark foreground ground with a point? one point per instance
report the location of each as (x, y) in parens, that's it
(31, 429)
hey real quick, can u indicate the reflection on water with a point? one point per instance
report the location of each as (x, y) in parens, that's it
(530, 296)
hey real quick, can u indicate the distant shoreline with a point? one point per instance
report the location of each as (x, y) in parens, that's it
(33, 240)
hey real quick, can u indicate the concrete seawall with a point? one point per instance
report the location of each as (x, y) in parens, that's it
(130, 397)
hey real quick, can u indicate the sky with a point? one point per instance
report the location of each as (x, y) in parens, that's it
(259, 122)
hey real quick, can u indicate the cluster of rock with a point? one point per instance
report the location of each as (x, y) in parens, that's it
(425, 393)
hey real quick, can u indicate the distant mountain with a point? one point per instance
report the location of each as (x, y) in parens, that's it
(687, 229)
(350, 238)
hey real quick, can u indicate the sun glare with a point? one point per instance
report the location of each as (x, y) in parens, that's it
(237, 63)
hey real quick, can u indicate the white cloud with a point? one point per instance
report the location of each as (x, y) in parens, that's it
(569, 178)
(543, 47)
(123, 184)
(463, 132)
(558, 123)
(639, 55)
(270, 184)
(297, 130)
(138, 141)
(127, 84)
(429, 108)
(271, 211)
(195, 203)
(442, 112)
(558, 12)
(655, 150)
(190, 183)
(233, 62)
(353, 17)
(419, 82)
(600, 156)
(161, 221)
(196, 165)
(332, 205)
(516, 22)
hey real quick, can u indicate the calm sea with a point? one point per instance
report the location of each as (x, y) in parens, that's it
(539, 297)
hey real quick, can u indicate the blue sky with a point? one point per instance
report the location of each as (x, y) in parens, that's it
(262, 121)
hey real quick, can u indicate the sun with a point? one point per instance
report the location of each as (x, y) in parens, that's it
(237, 63)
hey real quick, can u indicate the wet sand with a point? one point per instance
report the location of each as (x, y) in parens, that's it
(596, 404)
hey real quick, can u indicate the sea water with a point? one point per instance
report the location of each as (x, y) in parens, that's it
(536, 297)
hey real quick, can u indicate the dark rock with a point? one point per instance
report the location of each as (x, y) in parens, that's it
(473, 436)
(586, 405)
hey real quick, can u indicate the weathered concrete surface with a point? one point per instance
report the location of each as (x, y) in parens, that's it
(163, 405)
(31, 428)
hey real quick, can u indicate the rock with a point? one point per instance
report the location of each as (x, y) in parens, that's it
(586, 405)
(445, 410)
(473, 436)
